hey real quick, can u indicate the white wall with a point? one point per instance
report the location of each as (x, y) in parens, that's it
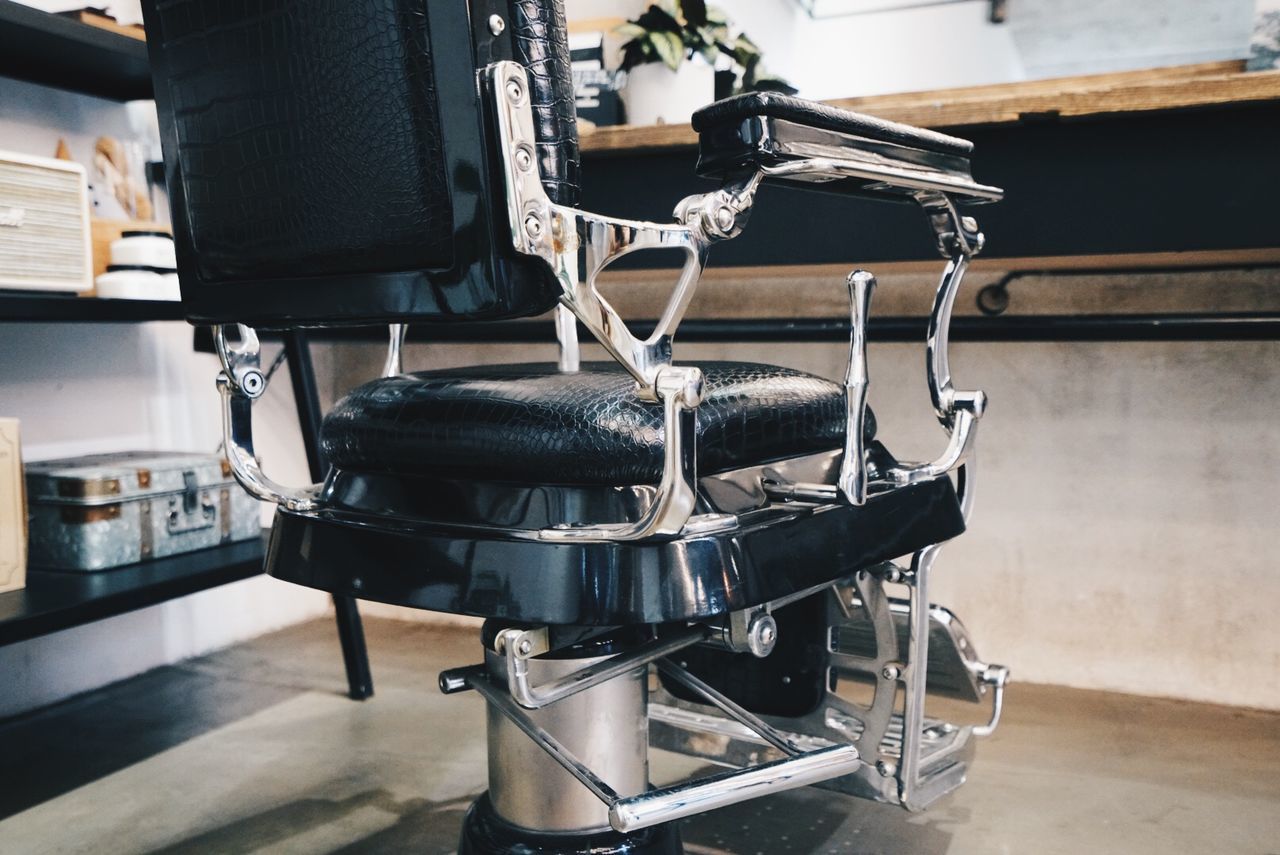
(899, 51)
(80, 388)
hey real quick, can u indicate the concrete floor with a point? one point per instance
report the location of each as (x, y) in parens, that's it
(255, 749)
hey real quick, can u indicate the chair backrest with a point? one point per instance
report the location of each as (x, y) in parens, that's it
(331, 162)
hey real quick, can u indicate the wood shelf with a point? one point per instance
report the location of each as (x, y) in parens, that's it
(58, 600)
(57, 51)
(1152, 90)
(23, 307)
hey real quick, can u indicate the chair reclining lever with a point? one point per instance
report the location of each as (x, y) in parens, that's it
(240, 383)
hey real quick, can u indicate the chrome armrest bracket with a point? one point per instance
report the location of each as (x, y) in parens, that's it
(958, 411)
(959, 240)
(578, 246)
(240, 383)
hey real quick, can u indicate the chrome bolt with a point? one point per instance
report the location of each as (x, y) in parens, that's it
(515, 91)
(252, 383)
(496, 24)
(525, 647)
(724, 218)
(886, 768)
(524, 159)
(762, 635)
(891, 672)
(533, 227)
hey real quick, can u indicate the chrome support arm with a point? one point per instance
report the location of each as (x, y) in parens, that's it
(959, 240)
(578, 246)
(853, 467)
(567, 336)
(559, 235)
(395, 350)
(240, 383)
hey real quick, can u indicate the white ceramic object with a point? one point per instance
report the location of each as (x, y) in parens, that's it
(137, 283)
(144, 249)
(656, 95)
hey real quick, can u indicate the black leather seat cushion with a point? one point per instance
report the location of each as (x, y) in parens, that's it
(532, 424)
(739, 107)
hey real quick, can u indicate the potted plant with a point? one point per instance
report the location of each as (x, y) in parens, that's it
(671, 56)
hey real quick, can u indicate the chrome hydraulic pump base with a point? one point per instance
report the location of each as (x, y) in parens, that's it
(485, 833)
(535, 805)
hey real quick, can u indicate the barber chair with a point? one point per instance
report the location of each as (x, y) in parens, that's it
(694, 557)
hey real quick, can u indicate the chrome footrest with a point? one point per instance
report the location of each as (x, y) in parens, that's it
(946, 751)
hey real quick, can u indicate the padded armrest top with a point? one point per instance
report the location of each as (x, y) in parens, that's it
(813, 114)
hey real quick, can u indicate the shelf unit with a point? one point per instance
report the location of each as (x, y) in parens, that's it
(54, 51)
(52, 600)
(25, 306)
(55, 600)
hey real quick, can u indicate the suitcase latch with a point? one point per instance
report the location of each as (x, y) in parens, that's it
(193, 510)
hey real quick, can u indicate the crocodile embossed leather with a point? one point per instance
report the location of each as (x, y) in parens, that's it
(532, 424)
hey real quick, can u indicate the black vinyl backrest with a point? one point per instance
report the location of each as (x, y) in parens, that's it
(331, 161)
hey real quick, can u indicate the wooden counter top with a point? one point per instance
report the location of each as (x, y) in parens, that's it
(1180, 87)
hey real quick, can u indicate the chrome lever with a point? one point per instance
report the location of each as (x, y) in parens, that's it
(240, 383)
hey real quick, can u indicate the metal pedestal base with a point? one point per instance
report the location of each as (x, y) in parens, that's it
(485, 833)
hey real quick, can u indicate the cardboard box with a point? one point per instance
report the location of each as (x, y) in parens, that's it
(13, 510)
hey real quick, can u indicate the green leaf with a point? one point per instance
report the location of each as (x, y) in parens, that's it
(694, 12)
(669, 47)
(629, 30)
(655, 20)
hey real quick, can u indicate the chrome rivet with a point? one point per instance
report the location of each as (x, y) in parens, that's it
(525, 647)
(496, 24)
(891, 672)
(886, 768)
(524, 159)
(724, 217)
(533, 227)
(515, 91)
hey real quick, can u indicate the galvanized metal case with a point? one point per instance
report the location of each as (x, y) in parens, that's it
(106, 510)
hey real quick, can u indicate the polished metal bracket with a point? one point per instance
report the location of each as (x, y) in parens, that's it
(578, 246)
(518, 646)
(240, 383)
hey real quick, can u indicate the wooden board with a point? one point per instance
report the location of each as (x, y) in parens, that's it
(104, 22)
(1180, 87)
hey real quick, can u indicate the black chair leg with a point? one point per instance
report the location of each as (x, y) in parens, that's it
(355, 654)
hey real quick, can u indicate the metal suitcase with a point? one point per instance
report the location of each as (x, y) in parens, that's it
(106, 510)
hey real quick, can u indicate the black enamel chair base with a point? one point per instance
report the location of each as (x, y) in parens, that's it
(484, 833)
(778, 551)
